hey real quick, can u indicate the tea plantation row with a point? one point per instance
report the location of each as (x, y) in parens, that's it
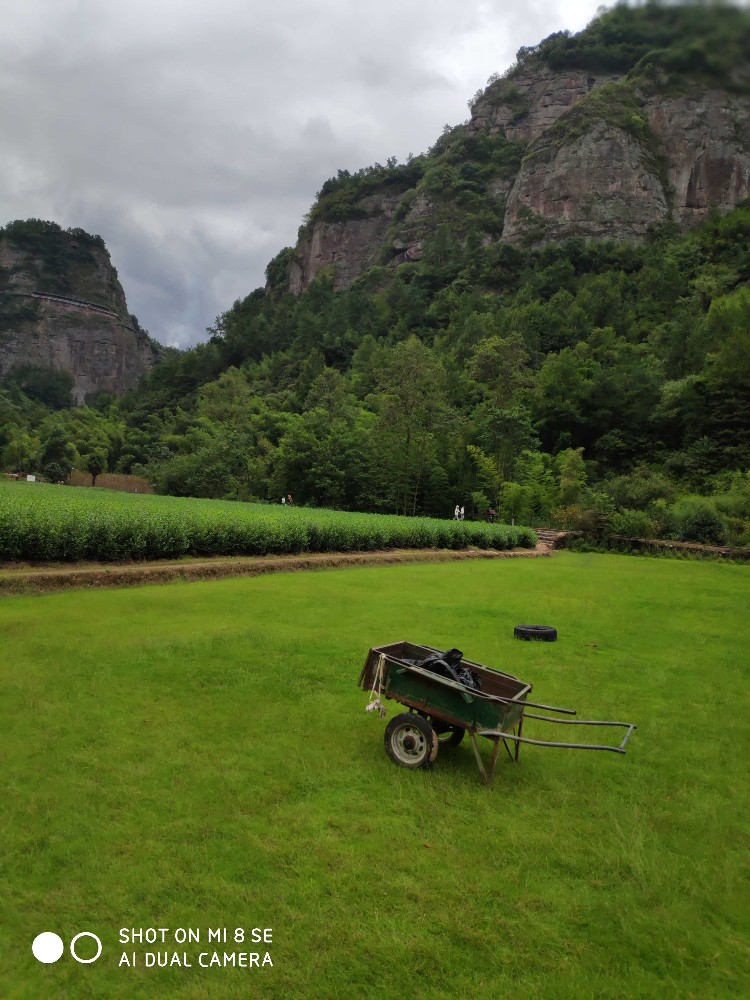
(68, 524)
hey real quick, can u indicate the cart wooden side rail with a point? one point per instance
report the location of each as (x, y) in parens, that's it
(442, 707)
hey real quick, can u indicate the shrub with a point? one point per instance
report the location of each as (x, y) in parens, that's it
(633, 523)
(640, 488)
(697, 520)
(739, 531)
(577, 518)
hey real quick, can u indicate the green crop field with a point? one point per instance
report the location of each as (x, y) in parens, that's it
(197, 756)
(68, 523)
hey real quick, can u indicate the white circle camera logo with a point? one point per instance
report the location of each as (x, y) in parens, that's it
(48, 947)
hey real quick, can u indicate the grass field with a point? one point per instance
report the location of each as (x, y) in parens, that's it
(197, 756)
(45, 522)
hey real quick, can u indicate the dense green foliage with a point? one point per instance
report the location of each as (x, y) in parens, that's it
(44, 238)
(63, 262)
(71, 523)
(201, 750)
(477, 368)
(467, 377)
(698, 39)
(340, 197)
(48, 386)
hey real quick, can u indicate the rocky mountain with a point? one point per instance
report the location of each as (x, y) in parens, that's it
(641, 120)
(62, 308)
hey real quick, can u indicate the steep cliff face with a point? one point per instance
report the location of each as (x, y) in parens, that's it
(640, 132)
(350, 247)
(526, 102)
(62, 307)
(613, 169)
(600, 186)
(100, 350)
(705, 139)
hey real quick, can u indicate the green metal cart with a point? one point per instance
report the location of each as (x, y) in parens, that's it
(441, 710)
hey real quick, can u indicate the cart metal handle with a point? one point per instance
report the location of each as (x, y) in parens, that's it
(499, 734)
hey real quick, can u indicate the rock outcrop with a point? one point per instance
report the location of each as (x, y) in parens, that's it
(62, 307)
(705, 139)
(677, 159)
(603, 155)
(524, 105)
(602, 185)
(350, 247)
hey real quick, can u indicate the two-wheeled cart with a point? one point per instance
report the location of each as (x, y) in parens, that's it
(442, 710)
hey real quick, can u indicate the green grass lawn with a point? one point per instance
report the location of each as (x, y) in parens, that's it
(197, 755)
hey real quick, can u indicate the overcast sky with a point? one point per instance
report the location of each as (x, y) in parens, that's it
(193, 136)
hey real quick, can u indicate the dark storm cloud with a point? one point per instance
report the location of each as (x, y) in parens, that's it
(193, 137)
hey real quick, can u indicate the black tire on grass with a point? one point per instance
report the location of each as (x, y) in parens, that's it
(542, 633)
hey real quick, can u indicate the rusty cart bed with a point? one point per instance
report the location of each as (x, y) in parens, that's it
(442, 710)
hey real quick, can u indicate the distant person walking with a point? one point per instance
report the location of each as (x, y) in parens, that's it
(289, 499)
(462, 513)
(283, 500)
(457, 513)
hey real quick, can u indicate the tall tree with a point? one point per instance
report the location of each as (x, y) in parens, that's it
(413, 411)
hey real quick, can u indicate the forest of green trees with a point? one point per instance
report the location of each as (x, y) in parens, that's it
(574, 382)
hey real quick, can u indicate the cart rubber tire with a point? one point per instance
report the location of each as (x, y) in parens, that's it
(451, 737)
(410, 741)
(542, 633)
(448, 735)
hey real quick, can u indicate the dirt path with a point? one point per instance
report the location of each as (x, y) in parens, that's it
(18, 578)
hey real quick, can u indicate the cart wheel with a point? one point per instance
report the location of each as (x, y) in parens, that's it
(448, 736)
(544, 633)
(452, 736)
(410, 741)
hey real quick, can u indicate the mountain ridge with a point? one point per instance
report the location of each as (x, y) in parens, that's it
(573, 140)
